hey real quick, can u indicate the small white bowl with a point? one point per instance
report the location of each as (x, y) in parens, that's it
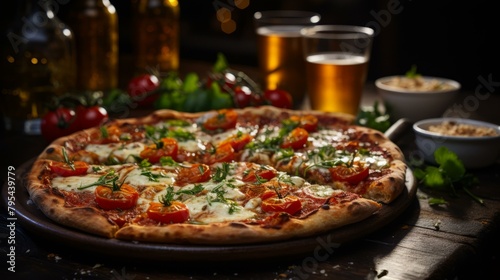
(414, 104)
(473, 151)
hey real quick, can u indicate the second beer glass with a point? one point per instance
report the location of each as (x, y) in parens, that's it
(280, 55)
(337, 59)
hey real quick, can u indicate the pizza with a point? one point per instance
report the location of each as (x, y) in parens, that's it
(230, 176)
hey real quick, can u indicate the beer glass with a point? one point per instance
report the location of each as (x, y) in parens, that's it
(280, 51)
(337, 59)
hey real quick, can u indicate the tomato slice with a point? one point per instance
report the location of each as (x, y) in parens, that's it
(352, 174)
(176, 212)
(64, 169)
(223, 153)
(124, 198)
(196, 173)
(289, 204)
(224, 119)
(296, 139)
(307, 122)
(166, 147)
(254, 175)
(238, 141)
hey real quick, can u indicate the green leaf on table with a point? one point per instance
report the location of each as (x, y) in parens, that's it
(437, 201)
(450, 163)
(434, 178)
(449, 175)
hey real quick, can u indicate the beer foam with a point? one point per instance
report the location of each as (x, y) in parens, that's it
(338, 58)
(280, 30)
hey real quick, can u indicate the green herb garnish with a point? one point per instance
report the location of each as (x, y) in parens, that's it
(450, 175)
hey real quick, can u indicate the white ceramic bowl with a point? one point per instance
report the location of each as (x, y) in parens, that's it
(474, 152)
(416, 105)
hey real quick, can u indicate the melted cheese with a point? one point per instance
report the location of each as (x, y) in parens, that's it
(136, 177)
(205, 211)
(72, 183)
(120, 151)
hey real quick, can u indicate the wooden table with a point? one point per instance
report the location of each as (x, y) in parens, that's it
(456, 241)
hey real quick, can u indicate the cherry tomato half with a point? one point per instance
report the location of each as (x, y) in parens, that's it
(140, 88)
(58, 123)
(238, 141)
(176, 212)
(64, 169)
(352, 174)
(224, 119)
(278, 98)
(223, 153)
(109, 199)
(307, 122)
(165, 147)
(196, 173)
(289, 204)
(254, 175)
(296, 139)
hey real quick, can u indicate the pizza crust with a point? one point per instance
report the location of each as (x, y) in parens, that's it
(87, 219)
(324, 220)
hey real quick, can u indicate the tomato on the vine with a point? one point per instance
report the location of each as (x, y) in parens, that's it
(242, 97)
(278, 98)
(140, 89)
(59, 122)
(87, 117)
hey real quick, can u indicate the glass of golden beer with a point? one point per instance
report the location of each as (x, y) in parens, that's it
(337, 59)
(280, 51)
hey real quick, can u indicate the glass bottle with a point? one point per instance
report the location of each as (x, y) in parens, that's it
(37, 62)
(95, 27)
(156, 35)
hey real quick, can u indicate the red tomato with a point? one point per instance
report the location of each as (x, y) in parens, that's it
(224, 119)
(289, 204)
(64, 169)
(176, 212)
(58, 123)
(253, 175)
(87, 117)
(124, 198)
(307, 122)
(353, 174)
(223, 153)
(242, 97)
(196, 173)
(140, 88)
(296, 139)
(278, 98)
(166, 147)
(238, 142)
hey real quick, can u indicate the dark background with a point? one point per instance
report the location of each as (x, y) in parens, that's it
(452, 39)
